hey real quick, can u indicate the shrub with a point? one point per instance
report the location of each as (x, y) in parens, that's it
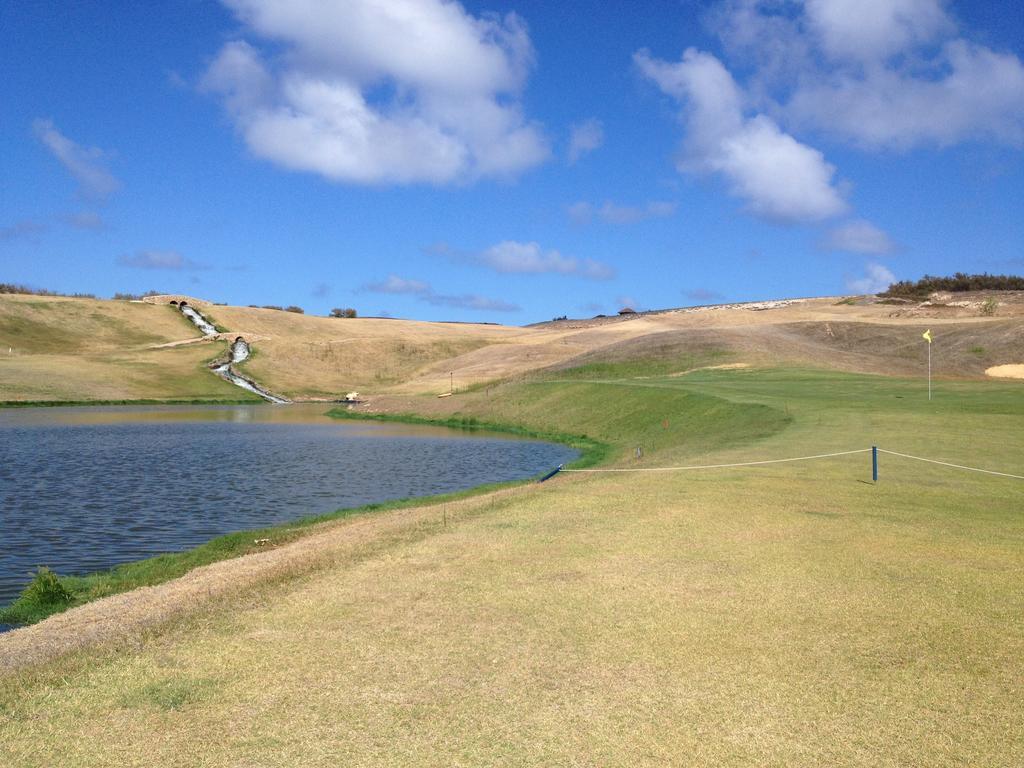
(296, 310)
(25, 290)
(346, 312)
(958, 283)
(135, 296)
(988, 307)
(44, 595)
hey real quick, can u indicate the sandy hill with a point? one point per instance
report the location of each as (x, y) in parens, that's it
(54, 348)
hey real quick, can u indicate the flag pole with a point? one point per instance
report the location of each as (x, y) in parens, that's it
(927, 336)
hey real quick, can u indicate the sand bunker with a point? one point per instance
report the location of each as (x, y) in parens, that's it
(723, 367)
(1012, 371)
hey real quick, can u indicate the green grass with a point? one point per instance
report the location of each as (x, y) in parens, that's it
(622, 415)
(591, 451)
(648, 363)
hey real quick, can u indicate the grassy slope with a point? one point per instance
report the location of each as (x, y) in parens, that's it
(307, 356)
(791, 614)
(55, 349)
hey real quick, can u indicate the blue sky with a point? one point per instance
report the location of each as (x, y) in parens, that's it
(508, 161)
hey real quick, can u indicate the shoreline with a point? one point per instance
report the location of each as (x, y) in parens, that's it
(123, 617)
(168, 567)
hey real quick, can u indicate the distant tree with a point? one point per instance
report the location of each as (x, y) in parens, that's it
(958, 283)
(273, 306)
(346, 312)
(296, 310)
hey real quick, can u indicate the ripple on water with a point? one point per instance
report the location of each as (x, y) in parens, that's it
(84, 497)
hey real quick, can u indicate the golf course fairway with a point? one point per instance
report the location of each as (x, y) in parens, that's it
(792, 613)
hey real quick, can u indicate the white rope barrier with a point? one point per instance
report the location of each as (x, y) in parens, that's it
(947, 464)
(722, 466)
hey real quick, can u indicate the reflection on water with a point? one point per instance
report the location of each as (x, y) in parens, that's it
(82, 489)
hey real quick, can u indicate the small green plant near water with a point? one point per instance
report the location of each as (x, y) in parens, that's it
(49, 594)
(44, 596)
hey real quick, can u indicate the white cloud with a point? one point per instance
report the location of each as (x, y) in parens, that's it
(586, 137)
(155, 259)
(425, 292)
(879, 74)
(85, 164)
(511, 257)
(396, 284)
(471, 301)
(631, 214)
(612, 213)
(872, 30)
(779, 177)
(877, 279)
(979, 95)
(858, 236)
(365, 92)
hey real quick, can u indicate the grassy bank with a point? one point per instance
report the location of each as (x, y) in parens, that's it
(51, 593)
(592, 452)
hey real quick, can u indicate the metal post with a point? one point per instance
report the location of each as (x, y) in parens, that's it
(874, 463)
(551, 474)
(929, 371)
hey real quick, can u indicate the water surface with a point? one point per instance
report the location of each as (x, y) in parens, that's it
(83, 489)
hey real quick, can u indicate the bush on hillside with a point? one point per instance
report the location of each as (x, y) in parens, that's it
(958, 283)
(296, 310)
(25, 290)
(346, 312)
(136, 296)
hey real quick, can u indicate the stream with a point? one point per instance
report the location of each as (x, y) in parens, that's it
(240, 352)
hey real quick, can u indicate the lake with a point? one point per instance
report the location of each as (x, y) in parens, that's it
(84, 489)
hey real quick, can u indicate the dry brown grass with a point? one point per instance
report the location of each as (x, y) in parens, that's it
(313, 356)
(75, 349)
(601, 621)
(60, 349)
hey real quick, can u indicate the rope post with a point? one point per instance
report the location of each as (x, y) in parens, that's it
(874, 463)
(551, 474)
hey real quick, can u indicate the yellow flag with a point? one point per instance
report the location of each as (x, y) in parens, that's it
(928, 335)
